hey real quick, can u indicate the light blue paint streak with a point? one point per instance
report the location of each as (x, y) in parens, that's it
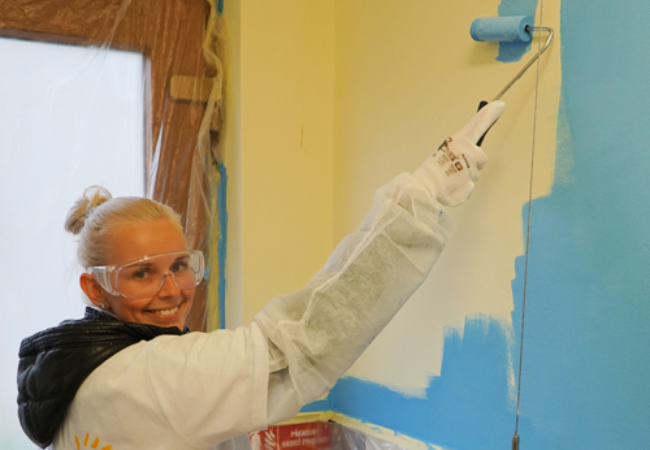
(585, 381)
(223, 241)
(513, 51)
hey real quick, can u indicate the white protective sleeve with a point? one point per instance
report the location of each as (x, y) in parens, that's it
(316, 334)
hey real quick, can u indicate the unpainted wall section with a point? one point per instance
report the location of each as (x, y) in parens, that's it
(278, 150)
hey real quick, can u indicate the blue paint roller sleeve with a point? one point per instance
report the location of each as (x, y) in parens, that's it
(502, 29)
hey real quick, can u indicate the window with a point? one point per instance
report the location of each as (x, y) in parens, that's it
(70, 117)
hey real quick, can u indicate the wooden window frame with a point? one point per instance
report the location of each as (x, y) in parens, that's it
(170, 34)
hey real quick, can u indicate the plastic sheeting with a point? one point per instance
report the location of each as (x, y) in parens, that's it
(123, 93)
(343, 438)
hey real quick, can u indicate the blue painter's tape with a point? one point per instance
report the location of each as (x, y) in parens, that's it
(223, 241)
(318, 406)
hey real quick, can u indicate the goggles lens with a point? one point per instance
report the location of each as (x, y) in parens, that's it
(145, 277)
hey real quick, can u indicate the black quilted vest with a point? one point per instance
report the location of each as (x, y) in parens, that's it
(54, 363)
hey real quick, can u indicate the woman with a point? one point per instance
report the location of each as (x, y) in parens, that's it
(126, 377)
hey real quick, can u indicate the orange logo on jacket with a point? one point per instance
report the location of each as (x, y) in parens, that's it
(95, 443)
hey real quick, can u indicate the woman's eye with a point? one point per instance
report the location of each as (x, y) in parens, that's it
(141, 274)
(179, 266)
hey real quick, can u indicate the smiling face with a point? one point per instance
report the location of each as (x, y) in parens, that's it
(132, 241)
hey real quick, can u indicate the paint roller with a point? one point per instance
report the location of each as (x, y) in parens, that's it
(508, 29)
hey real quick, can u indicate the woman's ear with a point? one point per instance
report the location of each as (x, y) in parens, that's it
(93, 290)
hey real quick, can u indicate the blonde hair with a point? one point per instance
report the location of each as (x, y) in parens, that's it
(97, 213)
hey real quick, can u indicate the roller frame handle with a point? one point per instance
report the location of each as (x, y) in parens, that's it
(482, 105)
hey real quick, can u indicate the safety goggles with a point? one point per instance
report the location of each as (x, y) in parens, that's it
(145, 277)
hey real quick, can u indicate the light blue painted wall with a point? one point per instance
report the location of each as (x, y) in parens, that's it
(586, 382)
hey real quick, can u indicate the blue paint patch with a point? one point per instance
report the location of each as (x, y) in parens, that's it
(588, 316)
(223, 241)
(466, 407)
(513, 51)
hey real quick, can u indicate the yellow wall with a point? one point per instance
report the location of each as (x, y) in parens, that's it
(278, 148)
(328, 100)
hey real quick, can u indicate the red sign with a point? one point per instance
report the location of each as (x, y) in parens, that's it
(303, 436)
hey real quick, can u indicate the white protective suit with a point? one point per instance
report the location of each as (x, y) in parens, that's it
(197, 390)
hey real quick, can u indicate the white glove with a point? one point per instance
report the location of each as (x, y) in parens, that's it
(452, 170)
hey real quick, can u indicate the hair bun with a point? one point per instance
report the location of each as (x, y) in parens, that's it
(92, 197)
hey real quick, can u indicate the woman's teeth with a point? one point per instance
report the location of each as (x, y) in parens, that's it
(166, 312)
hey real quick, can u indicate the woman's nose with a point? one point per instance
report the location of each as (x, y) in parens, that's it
(169, 286)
